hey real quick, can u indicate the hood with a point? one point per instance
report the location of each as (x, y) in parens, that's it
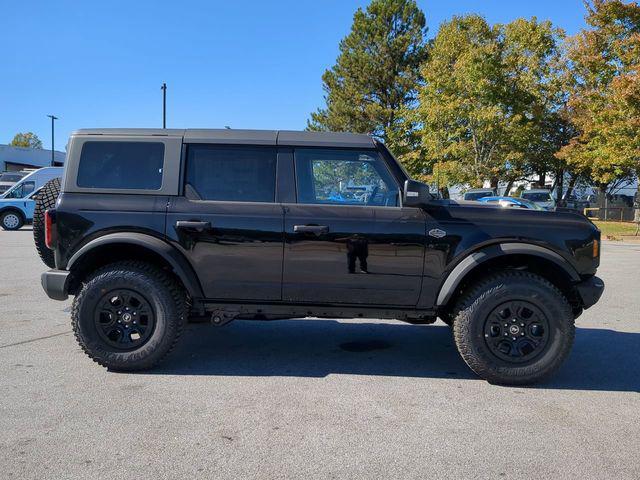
(469, 224)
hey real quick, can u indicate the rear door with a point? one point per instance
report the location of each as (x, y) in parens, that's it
(347, 239)
(227, 221)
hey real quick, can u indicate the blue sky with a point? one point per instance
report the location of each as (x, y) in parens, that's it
(246, 64)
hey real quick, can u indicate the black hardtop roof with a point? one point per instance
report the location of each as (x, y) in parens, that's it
(244, 137)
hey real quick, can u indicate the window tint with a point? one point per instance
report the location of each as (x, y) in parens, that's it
(344, 177)
(125, 165)
(227, 173)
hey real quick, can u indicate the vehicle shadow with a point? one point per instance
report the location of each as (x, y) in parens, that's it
(601, 359)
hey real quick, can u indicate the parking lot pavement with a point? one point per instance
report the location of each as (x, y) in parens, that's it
(312, 398)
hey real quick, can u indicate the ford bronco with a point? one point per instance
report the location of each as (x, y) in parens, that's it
(152, 228)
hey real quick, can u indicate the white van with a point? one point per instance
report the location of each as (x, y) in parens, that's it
(33, 181)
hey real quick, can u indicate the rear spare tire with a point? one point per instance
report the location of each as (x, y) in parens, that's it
(45, 200)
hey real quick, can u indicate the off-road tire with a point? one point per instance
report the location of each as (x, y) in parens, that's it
(45, 200)
(166, 297)
(13, 214)
(474, 307)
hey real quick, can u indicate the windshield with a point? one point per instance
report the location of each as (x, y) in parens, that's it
(477, 195)
(537, 196)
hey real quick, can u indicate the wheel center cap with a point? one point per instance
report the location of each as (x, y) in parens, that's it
(126, 317)
(514, 329)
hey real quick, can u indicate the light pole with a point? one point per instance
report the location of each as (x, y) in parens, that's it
(164, 104)
(53, 119)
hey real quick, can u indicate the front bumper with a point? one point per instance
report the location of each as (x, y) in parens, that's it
(54, 283)
(590, 291)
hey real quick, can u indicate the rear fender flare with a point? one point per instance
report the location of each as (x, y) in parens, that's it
(173, 257)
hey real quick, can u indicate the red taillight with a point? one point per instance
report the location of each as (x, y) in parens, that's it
(50, 231)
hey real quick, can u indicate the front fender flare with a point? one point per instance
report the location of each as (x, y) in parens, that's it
(180, 265)
(455, 277)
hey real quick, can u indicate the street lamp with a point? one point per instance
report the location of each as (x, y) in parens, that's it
(164, 105)
(53, 119)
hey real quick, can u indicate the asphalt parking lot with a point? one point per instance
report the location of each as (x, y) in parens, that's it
(312, 398)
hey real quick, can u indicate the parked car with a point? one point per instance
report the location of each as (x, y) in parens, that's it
(15, 212)
(511, 202)
(8, 179)
(154, 227)
(477, 193)
(33, 181)
(541, 197)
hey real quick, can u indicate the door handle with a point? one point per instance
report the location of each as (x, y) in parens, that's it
(316, 229)
(193, 225)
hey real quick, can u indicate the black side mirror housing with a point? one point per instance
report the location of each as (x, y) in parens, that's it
(416, 194)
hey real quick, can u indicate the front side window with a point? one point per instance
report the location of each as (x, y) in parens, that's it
(21, 190)
(121, 165)
(344, 177)
(231, 173)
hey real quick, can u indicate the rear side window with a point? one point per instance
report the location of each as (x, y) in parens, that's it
(229, 173)
(121, 165)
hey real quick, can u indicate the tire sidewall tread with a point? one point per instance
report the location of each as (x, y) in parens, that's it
(159, 288)
(478, 301)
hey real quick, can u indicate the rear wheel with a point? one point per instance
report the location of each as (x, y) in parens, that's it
(514, 328)
(45, 200)
(128, 316)
(11, 220)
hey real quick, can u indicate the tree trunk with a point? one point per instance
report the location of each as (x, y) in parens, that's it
(508, 188)
(571, 186)
(494, 183)
(542, 178)
(602, 201)
(560, 186)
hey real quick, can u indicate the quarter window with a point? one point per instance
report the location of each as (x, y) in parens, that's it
(229, 173)
(344, 177)
(121, 165)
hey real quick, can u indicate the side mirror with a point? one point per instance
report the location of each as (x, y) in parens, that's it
(416, 194)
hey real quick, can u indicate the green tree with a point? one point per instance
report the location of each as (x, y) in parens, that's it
(491, 100)
(28, 140)
(605, 102)
(372, 86)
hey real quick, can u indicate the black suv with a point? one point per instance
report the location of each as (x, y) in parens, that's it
(154, 227)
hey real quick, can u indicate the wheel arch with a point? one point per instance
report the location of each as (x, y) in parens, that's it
(14, 210)
(114, 247)
(540, 260)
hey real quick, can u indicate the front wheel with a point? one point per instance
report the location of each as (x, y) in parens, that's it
(513, 328)
(128, 316)
(11, 220)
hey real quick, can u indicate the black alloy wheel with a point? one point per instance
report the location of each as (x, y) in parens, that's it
(124, 319)
(516, 331)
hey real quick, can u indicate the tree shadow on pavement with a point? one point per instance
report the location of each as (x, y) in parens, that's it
(601, 359)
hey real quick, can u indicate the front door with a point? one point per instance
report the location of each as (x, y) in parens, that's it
(228, 223)
(346, 239)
